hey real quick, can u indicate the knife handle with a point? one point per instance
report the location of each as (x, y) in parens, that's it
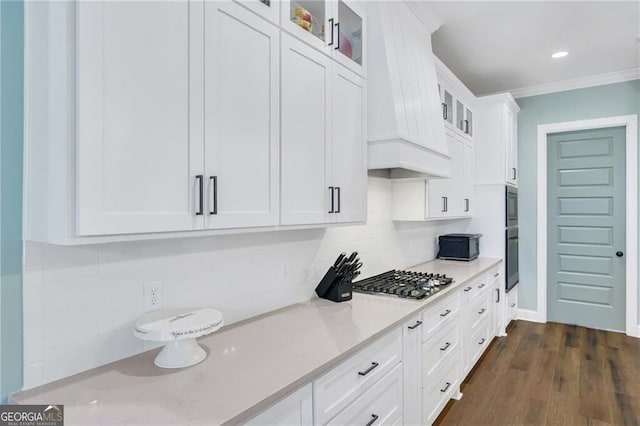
(339, 259)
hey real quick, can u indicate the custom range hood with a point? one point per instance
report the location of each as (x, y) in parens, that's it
(406, 130)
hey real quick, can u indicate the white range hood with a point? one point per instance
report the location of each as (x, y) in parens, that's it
(406, 130)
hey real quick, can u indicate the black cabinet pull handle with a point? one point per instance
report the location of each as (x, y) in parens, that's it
(416, 325)
(497, 274)
(482, 311)
(444, 389)
(466, 204)
(214, 194)
(468, 289)
(200, 195)
(446, 204)
(368, 370)
(331, 25)
(374, 417)
(515, 173)
(513, 305)
(445, 313)
(445, 347)
(331, 188)
(481, 341)
(338, 38)
(339, 200)
(482, 285)
(619, 253)
(466, 126)
(445, 111)
(498, 295)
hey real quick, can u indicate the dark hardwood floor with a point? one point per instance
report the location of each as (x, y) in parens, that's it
(552, 374)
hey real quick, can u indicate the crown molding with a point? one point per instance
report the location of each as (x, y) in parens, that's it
(425, 14)
(578, 83)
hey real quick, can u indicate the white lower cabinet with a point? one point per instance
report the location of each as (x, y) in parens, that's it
(294, 410)
(441, 387)
(409, 375)
(340, 387)
(380, 405)
(412, 366)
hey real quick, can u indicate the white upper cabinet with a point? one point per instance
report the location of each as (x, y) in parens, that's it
(511, 133)
(137, 161)
(306, 127)
(349, 167)
(241, 117)
(268, 9)
(457, 102)
(323, 138)
(335, 27)
(161, 118)
(496, 137)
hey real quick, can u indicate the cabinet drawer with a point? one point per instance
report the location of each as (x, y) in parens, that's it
(480, 287)
(479, 341)
(441, 388)
(437, 316)
(380, 405)
(479, 311)
(345, 383)
(437, 350)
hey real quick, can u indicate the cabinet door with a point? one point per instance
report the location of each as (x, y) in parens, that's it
(446, 196)
(469, 177)
(309, 20)
(268, 9)
(294, 410)
(241, 122)
(412, 370)
(348, 147)
(509, 124)
(136, 161)
(349, 33)
(306, 124)
(447, 106)
(440, 191)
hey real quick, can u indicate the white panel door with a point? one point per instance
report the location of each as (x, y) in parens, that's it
(241, 122)
(440, 196)
(469, 177)
(306, 124)
(136, 161)
(509, 132)
(348, 146)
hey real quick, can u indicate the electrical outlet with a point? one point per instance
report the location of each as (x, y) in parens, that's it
(152, 296)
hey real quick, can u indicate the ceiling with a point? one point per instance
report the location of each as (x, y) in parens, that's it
(497, 46)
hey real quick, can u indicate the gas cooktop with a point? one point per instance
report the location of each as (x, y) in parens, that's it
(412, 285)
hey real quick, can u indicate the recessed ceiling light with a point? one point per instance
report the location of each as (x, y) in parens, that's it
(560, 54)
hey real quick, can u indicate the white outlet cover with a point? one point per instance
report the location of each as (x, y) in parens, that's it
(152, 294)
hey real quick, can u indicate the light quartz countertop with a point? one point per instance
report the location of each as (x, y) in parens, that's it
(250, 364)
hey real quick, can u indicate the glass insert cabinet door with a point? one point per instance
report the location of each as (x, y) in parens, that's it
(335, 27)
(268, 9)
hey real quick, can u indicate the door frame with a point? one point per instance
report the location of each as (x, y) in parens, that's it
(630, 122)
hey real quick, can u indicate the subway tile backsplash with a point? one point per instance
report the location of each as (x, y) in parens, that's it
(81, 303)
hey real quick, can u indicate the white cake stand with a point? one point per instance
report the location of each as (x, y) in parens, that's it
(180, 333)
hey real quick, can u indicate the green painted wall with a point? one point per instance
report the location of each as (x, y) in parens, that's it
(11, 149)
(581, 104)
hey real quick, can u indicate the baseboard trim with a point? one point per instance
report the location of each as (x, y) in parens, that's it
(634, 331)
(529, 315)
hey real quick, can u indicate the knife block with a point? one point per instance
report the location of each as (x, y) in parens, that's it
(334, 287)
